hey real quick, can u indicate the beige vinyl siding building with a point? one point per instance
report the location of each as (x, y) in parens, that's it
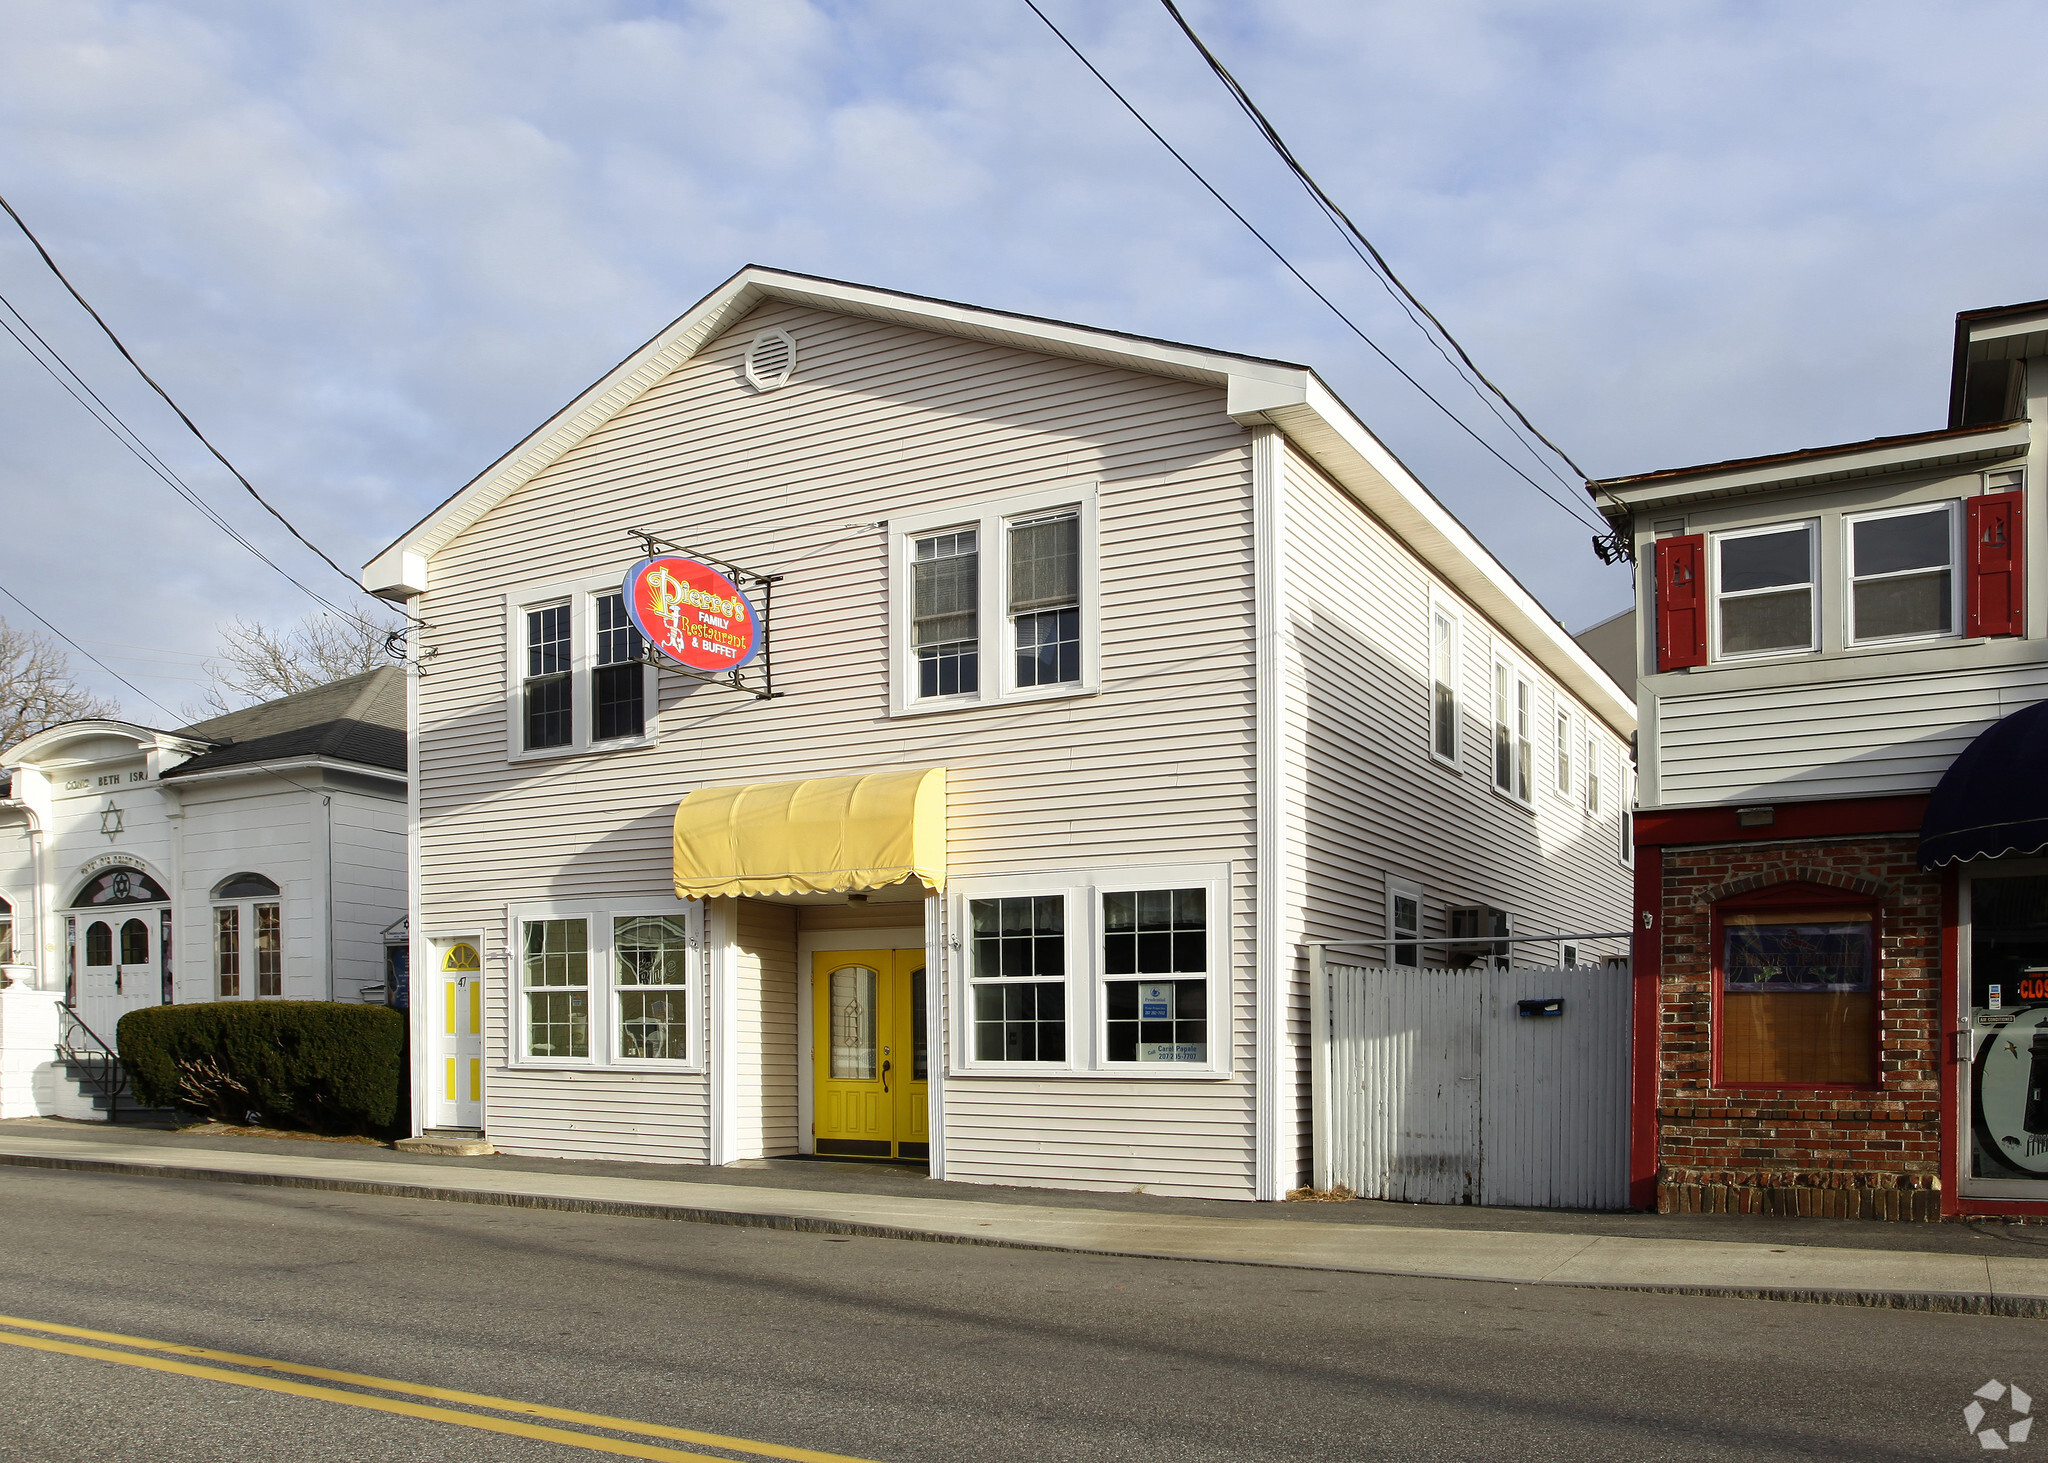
(1236, 719)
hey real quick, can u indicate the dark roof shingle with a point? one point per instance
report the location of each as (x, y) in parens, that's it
(360, 718)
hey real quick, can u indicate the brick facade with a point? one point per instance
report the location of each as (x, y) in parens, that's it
(1851, 1154)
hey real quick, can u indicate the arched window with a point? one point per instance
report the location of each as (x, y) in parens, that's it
(134, 942)
(99, 943)
(119, 886)
(248, 936)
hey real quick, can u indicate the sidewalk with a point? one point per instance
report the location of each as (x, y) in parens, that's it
(1989, 1269)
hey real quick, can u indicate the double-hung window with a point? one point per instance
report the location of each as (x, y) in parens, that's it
(1404, 922)
(1592, 773)
(1045, 598)
(599, 987)
(1514, 756)
(945, 577)
(547, 695)
(1764, 600)
(994, 603)
(1443, 684)
(579, 672)
(1017, 973)
(1561, 772)
(1903, 583)
(1122, 972)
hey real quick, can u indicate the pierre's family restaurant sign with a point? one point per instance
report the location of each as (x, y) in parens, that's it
(692, 614)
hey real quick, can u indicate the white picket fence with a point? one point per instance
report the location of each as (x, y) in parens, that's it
(1432, 1086)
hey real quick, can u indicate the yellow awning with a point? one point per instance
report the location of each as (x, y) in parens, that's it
(829, 835)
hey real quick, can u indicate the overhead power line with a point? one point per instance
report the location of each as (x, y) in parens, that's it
(1577, 511)
(190, 425)
(1356, 237)
(107, 417)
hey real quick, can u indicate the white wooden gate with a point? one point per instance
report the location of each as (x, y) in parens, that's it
(1434, 1087)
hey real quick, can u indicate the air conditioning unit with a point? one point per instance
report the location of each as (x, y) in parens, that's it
(1469, 925)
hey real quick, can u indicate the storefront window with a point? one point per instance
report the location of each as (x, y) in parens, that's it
(1798, 1000)
(1157, 935)
(652, 956)
(2008, 1023)
(1019, 978)
(556, 961)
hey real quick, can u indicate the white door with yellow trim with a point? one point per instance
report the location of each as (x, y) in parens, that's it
(455, 1083)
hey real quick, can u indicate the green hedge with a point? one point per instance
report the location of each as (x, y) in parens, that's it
(318, 1065)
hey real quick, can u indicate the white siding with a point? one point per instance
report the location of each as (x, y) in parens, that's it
(1864, 737)
(764, 993)
(1367, 801)
(369, 886)
(880, 420)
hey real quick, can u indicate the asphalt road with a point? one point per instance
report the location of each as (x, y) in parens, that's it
(901, 1351)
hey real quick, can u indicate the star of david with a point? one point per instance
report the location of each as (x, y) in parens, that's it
(110, 820)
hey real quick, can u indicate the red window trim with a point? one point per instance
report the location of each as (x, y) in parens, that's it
(1797, 895)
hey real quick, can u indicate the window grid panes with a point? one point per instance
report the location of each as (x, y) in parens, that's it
(1513, 751)
(227, 952)
(546, 695)
(1902, 575)
(1764, 591)
(617, 681)
(1160, 936)
(1564, 755)
(1592, 774)
(1045, 598)
(1443, 707)
(945, 587)
(555, 957)
(1018, 975)
(651, 964)
(1406, 919)
(269, 952)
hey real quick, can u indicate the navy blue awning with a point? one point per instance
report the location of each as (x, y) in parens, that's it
(1993, 799)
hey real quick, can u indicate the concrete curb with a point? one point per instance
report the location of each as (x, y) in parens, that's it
(1952, 1302)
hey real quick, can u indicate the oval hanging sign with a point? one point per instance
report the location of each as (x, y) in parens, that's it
(692, 614)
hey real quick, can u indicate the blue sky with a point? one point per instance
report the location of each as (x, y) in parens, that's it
(370, 245)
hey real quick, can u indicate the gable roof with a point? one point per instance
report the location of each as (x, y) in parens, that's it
(360, 718)
(1257, 391)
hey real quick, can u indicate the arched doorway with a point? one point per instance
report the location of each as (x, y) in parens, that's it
(119, 930)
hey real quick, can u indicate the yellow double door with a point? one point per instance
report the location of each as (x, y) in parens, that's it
(869, 1063)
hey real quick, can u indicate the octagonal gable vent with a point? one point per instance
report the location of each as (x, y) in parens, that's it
(770, 359)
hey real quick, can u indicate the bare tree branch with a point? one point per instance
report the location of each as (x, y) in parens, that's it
(258, 663)
(37, 689)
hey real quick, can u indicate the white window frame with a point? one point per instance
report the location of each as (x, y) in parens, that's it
(249, 978)
(1590, 797)
(1087, 1004)
(997, 635)
(1400, 888)
(602, 1004)
(580, 594)
(1521, 701)
(1954, 631)
(1078, 939)
(1439, 610)
(1624, 829)
(1813, 586)
(1563, 760)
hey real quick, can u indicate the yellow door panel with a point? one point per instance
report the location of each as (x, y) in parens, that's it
(869, 1079)
(451, 1079)
(476, 1008)
(476, 1079)
(449, 986)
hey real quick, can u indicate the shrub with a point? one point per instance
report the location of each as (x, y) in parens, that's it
(318, 1065)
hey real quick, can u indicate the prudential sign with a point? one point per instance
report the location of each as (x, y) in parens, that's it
(692, 614)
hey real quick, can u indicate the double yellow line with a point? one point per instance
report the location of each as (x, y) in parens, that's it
(11, 1328)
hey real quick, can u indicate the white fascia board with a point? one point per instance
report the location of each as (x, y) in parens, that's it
(1324, 428)
(402, 569)
(2009, 441)
(30, 751)
(284, 765)
(2009, 325)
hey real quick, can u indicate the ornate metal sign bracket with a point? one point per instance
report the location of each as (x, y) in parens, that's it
(754, 583)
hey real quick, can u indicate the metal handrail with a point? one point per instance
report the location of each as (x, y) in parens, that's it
(103, 1069)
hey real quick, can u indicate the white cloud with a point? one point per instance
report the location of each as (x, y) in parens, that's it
(371, 245)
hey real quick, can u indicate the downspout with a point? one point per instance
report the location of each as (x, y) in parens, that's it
(327, 820)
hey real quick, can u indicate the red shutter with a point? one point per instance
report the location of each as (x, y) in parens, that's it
(1681, 601)
(1996, 565)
